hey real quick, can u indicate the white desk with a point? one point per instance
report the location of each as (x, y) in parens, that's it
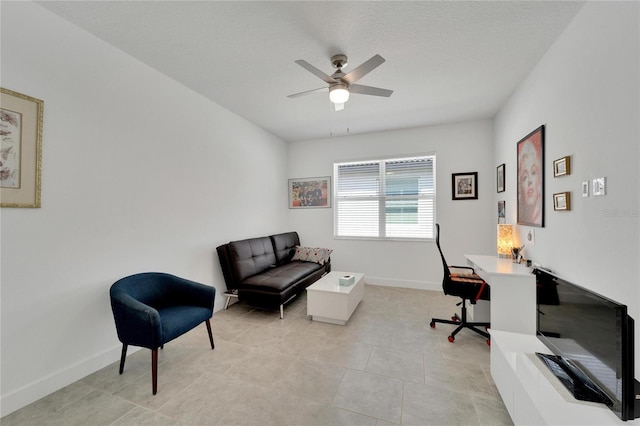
(513, 293)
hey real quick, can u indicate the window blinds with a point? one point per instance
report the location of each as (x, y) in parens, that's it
(385, 199)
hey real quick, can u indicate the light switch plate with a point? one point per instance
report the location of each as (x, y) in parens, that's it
(599, 186)
(585, 188)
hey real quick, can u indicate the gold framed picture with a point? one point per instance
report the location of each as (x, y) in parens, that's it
(20, 149)
(562, 166)
(562, 201)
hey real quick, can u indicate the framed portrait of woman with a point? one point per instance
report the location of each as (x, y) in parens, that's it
(531, 179)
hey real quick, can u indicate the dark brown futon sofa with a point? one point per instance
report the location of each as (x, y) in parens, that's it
(268, 272)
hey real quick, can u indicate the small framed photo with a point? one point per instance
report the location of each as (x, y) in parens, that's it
(562, 166)
(562, 201)
(500, 178)
(501, 211)
(307, 193)
(585, 188)
(464, 186)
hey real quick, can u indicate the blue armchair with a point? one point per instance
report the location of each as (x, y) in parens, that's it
(153, 308)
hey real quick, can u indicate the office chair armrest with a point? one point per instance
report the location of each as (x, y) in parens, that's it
(466, 268)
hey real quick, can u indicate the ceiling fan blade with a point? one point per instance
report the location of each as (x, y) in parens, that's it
(363, 69)
(368, 90)
(308, 92)
(315, 71)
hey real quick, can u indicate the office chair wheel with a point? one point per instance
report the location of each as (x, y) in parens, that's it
(432, 324)
(489, 342)
(451, 339)
(455, 318)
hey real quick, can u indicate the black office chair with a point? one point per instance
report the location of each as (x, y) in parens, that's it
(466, 285)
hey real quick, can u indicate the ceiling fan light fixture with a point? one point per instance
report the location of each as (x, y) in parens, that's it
(338, 93)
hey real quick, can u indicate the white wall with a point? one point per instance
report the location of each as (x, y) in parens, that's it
(138, 174)
(467, 226)
(586, 91)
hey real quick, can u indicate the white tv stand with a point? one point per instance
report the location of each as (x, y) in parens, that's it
(531, 393)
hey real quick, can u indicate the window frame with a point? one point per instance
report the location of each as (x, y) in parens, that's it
(382, 198)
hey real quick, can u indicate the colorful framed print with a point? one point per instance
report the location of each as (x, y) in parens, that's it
(530, 149)
(307, 193)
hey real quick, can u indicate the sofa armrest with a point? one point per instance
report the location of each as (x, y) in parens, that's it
(225, 265)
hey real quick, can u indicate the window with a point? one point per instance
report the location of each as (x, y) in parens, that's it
(385, 199)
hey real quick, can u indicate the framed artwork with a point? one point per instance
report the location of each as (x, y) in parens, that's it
(562, 166)
(20, 149)
(464, 186)
(562, 201)
(500, 178)
(307, 193)
(531, 179)
(501, 211)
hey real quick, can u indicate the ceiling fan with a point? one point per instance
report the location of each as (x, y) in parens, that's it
(341, 84)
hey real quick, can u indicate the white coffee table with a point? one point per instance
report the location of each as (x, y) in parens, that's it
(328, 301)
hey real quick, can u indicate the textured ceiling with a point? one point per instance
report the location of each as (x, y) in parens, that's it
(445, 61)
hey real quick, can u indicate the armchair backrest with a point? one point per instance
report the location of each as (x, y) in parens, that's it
(154, 289)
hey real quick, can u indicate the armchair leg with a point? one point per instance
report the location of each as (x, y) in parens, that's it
(123, 356)
(154, 370)
(210, 334)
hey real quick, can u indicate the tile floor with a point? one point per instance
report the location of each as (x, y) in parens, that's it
(385, 367)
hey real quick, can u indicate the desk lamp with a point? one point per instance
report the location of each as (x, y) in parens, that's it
(505, 240)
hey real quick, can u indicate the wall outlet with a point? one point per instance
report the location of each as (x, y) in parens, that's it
(530, 238)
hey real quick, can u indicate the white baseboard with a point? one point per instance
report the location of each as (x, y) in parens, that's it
(393, 282)
(50, 383)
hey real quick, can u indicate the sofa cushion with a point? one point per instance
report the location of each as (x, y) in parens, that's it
(251, 257)
(284, 245)
(277, 279)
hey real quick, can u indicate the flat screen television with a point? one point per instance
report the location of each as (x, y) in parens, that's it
(591, 339)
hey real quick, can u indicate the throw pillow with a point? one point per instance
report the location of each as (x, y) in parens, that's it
(312, 254)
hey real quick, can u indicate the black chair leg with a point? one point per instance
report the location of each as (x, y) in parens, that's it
(154, 370)
(461, 322)
(123, 356)
(210, 334)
